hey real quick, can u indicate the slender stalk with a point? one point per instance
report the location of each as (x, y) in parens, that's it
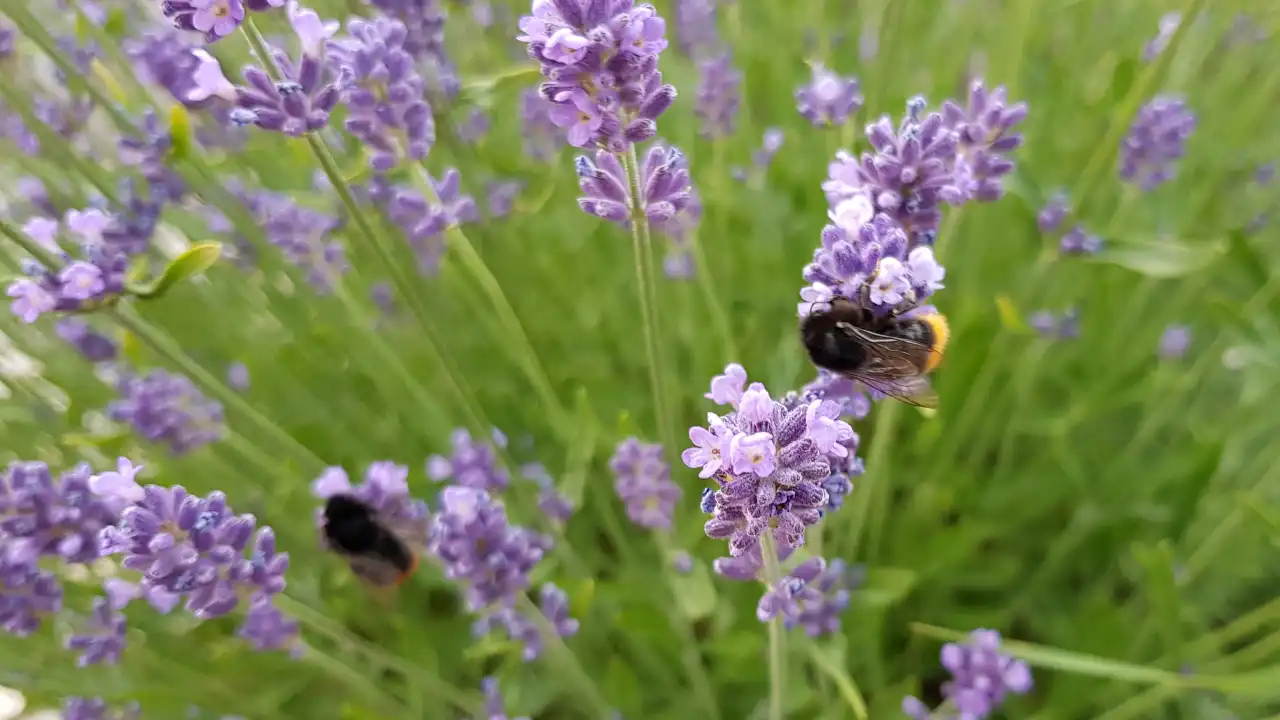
(871, 497)
(719, 317)
(648, 311)
(690, 655)
(561, 655)
(777, 640)
(844, 683)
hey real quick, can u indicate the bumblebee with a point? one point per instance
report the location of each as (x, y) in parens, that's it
(376, 552)
(890, 353)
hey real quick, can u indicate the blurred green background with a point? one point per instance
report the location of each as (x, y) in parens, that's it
(1075, 493)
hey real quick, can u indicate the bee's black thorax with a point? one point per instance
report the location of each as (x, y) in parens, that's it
(352, 527)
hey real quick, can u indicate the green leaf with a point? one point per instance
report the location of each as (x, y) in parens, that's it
(197, 259)
(180, 133)
(1161, 258)
(1161, 586)
(885, 586)
(695, 593)
(1122, 79)
(621, 685)
(117, 23)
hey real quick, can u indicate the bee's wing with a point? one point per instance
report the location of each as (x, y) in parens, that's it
(412, 532)
(374, 569)
(892, 368)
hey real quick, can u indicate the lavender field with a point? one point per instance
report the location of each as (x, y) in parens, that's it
(381, 359)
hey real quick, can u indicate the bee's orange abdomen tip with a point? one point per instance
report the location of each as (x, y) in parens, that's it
(413, 567)
(941, 334)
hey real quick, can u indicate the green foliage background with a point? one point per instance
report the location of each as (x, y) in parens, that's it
(1076, 494)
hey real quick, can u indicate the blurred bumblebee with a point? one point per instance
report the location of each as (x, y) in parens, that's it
(376, 551)
(890, 353)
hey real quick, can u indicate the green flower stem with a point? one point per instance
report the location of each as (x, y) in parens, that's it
(690, 654)
(777, 638)
(562, 657)
(516, 339)
(32, 28)
(137, 93)
(833, 669)
(719, 317)
(871, 496)
(58, 147)
(641, 251)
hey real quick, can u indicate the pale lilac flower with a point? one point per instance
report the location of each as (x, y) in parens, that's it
(44, 231)
(718, 96)
(30, 299)
(711, 448)
(1052, 215)
(216, 19)
(89, 225)
(81, 281)
(727, 389)
(93, 345)
(208, 81)
(828, 100)
(494, 706)
(541, 134)
(752, 454)
(925, 273)
(643, 482)
(471, 464)
(579, 115)
(312, 32)
(890, 285)
(811, 596)
(1157, 140)
(1079, 242)
(696, 27)
(238, 376)
(682, 562)
(1169, 23)
(664, 178)
(982, 677)
(1174, 342)
(119, 483)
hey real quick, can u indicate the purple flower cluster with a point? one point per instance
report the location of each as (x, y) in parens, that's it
(424, 21)
(829, 100)
(601, 61)
(168, 409)
(385, 490)
(981, 678)
(1157, 139)
(1053, 214)
(696, 27)
(194, 549)
(94, 346)
(472, 464)
(551, 503)
(494, 706)
(43, 517)
(100, 637)
(1174, 342)
(542, 138)
(718, 97)
(643, 481)
(386, 105)
(666, 188)
(1077, 240)
(215, 19)
(424, 223)
(811, 596)
(553, 603)
(769, 460)
(78, 708)
(302, 234)
(298, 105)
(1056, 326)
(501, 196)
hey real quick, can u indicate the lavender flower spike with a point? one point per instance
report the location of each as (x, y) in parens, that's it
(298, 104)
(1156, 140)
(78, 708)
(167, 409)
(719, 94)
(471, 464)
(643, 481)
(216, 19)
(811, 596)
(828, 100)
(982, 677)
(664, 179)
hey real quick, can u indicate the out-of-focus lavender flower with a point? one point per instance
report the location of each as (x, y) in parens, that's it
(719, 94)
(811, 596)
(425, 21)
(148, 150)
(303, 235)
(1264, 173)
(481, 550)
(542, 138)
(829, 100)
(385, 490)
(238, 376)
(383, 296)
(601, 61)
(1168, 26)
(79, 708)
(44, 517)
(94, 346)
(768, 461)
(1157, 139)
(1052, 215)
(101, 636)
(682, 562)
(981, 678)
(215, 19)
(555, 506)
(1174, 342)
(678, 263)
(502, 196)
(494, 706)
(664, 179)
(696, 27)
(554, 606)
(769, 146)
(745, 567)
(167, 409)
(424, 223)
(983, 130)
(472, 464)
(298, 104)
(386, 102)
(8, 39)
(1055, 326)
(197, 549)
(82, 284)
(1079, 242)
(472, 128)
(643, 481)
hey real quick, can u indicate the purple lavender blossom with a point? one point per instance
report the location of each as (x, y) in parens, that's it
(494, 705)
(1174, 342)
(295, 106)
(471, 464)
(78, 708)
(425, 21)
(82, 284)
(94, 346)
(982, 677)
(554, 606)
(148, 150)
(1157, 139)
(682, 562)
(303, 234)
(719, 94)
(542, 138)
(555, 506)
(424, 223)
(101, 637)
(45, 518)
(601, 61)
(696, 27)
(480, 549)
(386, 102)
(1053, 214)
(829, 100)
(1264, 173)
(1056, 326)
(193, 548)
(1169, 23)
(664, 177)
(216, 19)
(811, 596)
(238, 376)
(983, 130)
(643, 481)
(768, 461)
(501, 195)
(8, 39)
(385, 490)
(769, 146)
(474, 127)
(167, 409)
(1079, 242)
